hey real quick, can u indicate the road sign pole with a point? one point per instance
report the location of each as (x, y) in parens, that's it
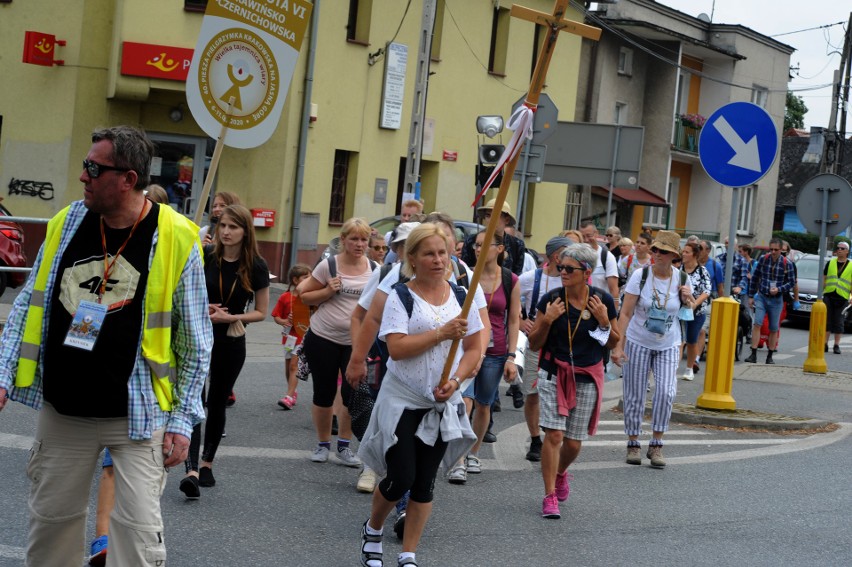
(612, 175)
(732, 237)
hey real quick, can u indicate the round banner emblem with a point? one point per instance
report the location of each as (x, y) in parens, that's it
(238, 63)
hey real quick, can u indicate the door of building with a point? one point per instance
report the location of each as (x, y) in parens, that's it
(180, 166)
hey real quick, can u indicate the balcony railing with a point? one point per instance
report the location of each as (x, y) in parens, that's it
(685, 137)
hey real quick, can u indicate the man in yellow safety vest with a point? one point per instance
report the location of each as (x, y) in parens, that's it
(110, 339)
(838, 284)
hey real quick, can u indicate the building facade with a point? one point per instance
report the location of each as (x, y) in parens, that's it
(667, 71)
(481, 63)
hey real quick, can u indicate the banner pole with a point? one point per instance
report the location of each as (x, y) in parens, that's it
(214, 164)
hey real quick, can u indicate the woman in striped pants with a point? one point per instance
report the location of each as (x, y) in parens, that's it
(650, 340)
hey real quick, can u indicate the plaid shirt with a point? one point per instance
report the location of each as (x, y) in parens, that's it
(782, 272)
(192, 340)
(739, 270)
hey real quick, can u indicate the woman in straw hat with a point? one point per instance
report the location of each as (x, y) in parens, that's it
(650, 340)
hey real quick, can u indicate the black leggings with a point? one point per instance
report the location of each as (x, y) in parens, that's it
(226, 361)
(327, 360)
(412, 464)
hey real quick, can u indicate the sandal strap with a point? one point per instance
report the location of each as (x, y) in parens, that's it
(407, 561)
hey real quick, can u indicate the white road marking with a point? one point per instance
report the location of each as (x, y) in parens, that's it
(12, 552)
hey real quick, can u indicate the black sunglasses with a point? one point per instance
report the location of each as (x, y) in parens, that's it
(94, 169)
(656, 250)
(569, 269)
(379, 248)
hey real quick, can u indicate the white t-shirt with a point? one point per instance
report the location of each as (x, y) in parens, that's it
(332, 317)
(386, 286)
(668, 293)
(422, 373)
(601, 273)
(527, 282)
(529, 263)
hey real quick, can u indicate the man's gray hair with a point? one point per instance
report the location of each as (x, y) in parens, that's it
(583, 254)
(131, 149)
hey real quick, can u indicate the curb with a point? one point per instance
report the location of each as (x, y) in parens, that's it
(737, 419)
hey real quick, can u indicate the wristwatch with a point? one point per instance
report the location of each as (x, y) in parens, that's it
(511, 355)
(457, 380)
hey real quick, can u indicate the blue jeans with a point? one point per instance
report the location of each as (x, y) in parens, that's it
(487, 380)
(767, 305)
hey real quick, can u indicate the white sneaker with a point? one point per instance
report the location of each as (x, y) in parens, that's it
(347, 457)
(458, 475)
(688, 375)
(366, 481)
(320, 454)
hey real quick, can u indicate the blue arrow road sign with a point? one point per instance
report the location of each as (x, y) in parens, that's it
(738, 144)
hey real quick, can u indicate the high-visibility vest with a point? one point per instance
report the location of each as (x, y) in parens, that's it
(176, 237)
(842, 284)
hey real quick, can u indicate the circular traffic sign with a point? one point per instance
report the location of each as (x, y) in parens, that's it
(738, 144)
(809, 204)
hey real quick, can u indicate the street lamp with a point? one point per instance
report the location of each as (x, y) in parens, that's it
(489, 125)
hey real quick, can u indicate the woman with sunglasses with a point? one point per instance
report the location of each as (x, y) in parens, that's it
(650, 340)
(699, 279)
(378, 249)
(574, 324)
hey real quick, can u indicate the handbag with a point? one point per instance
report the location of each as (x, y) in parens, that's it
(360, 406)
(236, 329)
(656, 322)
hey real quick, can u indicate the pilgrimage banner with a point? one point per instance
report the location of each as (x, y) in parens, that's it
(246, 51)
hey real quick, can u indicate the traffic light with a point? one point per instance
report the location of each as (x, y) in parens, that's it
(489, 154)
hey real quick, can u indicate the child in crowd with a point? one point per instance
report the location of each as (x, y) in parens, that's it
(293, 316)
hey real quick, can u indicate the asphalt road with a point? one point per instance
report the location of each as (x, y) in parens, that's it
(728, 497)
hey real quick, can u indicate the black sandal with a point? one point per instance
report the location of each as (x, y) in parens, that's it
(369, 555)
(407, 561)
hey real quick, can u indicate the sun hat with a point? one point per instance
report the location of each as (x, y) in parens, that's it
(401, 232)
(668, 241)
(556, 243)
(489, 206)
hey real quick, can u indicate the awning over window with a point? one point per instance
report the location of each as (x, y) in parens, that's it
(640, 196)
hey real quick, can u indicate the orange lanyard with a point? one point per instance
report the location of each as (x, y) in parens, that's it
(108, 266)
(233, 286)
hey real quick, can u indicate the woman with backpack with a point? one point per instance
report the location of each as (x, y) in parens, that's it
(335, 286)
(417, 421)
(503, 296)
(699, 279)
(650, 340)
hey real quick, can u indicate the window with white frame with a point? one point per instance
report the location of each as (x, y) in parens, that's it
(620, 113)
(625, 61)
(656, 216)
(745, 216)
(759, 96)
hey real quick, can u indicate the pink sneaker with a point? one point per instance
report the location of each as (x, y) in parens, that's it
(550, 507)
(287, 402)
(563, 485)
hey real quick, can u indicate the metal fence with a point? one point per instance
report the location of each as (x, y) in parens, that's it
(20, 220)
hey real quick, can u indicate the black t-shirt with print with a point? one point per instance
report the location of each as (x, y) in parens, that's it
(237, 300)
(93, 383)
(587, 350)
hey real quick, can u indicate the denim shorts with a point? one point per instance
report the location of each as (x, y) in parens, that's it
(771, 306)
(484, 386)
(693, 328)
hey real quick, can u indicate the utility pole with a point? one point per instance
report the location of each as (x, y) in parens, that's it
(418, 109)
(835, 137)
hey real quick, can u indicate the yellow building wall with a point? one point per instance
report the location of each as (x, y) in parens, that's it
(49, 113)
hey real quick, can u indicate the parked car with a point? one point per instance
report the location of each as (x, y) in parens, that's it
(387, 224)
(808, 269)
(11, 252)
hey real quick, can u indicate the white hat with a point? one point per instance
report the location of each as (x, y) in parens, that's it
(401, 232)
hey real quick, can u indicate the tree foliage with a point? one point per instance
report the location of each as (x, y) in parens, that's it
(794, 114)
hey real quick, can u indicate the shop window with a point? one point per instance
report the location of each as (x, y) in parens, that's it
(499, 42)
(358, 23)
(195, 5)
(745, 217)
(339, 180)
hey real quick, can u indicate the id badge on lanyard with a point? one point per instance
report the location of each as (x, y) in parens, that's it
(86, 325)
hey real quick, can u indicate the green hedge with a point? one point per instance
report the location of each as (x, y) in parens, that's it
(803, 241)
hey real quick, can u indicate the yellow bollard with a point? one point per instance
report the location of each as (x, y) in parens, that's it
(815, 362)
(719, 375)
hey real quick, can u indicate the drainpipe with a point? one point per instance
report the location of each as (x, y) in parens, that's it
(303, 142)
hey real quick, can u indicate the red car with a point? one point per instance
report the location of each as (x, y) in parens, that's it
(11, 252)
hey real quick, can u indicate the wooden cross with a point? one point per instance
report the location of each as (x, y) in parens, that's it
(555, 23)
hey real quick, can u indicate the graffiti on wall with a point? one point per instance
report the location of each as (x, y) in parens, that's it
(42, 189)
